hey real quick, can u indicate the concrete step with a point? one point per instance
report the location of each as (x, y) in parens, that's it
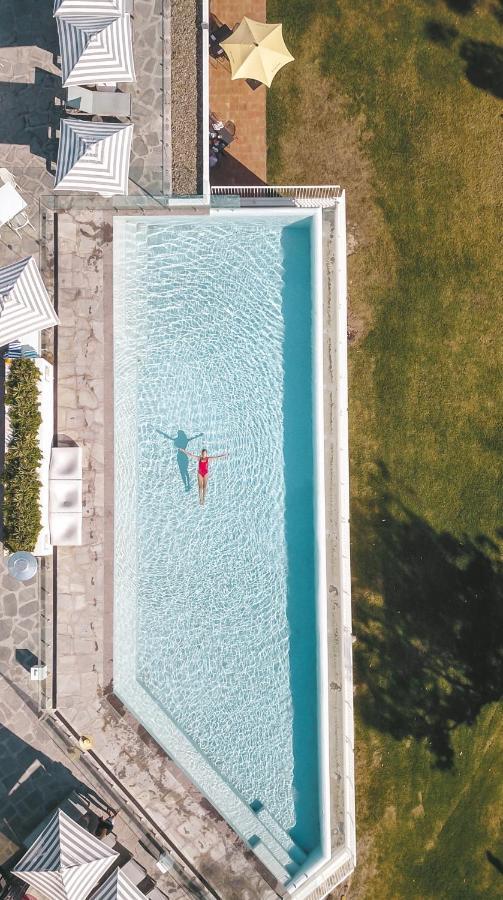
(281, 836)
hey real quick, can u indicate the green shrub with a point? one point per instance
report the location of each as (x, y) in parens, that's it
(21, 506)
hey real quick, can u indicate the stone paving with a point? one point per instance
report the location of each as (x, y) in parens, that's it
(20, 630)
(151, 152)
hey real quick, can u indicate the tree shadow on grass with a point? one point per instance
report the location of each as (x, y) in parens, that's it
(484, 66)
(462, 7)
(429, 623)
(497, 863)
(440, 32)
(497, 11)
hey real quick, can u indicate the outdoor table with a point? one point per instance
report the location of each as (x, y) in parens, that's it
(216, 38)
(11, 203)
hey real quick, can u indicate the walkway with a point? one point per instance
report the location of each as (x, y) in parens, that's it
(246, 160)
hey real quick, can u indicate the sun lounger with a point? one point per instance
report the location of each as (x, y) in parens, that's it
(99, 102)
(65, 529)
(66, 462)
(156, 894)
(134, 871)
(65, 495)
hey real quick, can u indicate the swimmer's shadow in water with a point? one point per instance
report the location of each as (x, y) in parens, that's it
(181, 442)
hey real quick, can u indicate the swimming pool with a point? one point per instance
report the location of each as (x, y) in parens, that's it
(218, 609)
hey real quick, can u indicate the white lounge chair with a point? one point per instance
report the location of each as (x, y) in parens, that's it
(65, 495)
(104, 101)
(65, 529)
(66, 462)
(134, 871)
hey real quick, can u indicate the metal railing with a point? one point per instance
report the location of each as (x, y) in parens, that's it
(304, 195)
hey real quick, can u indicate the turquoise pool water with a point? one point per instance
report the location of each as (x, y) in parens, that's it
(215, 616)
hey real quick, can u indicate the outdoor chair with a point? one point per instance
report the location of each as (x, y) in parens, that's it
(19, 222)
(228, 132)
(218, 32)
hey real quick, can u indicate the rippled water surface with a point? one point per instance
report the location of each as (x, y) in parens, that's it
(213, 349)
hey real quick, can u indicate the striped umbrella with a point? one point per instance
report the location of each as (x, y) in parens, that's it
(89, 8)
(94, 50)
(25, 303)
(65, 861)
(93, 157)
(117, 887)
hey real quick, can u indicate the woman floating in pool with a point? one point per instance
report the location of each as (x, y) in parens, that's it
(202, 469)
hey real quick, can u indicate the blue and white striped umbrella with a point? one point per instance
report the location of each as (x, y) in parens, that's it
(89, 8)
(25, 303)
(65, 862)
(96, 50)
(93, 157)
(117, 887)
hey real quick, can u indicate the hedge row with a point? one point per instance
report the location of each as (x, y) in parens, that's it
(21, 506)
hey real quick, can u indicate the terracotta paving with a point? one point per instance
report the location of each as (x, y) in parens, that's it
(245, 162)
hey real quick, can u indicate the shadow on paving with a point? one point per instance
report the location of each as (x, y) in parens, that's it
(28, 23)
(429, 649)
(230, 171)
(29, 116)
(31, 786)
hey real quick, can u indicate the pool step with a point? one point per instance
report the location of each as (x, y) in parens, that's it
(265, 855)
(294, 853)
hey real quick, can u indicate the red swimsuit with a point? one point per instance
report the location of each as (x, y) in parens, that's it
(203, 467)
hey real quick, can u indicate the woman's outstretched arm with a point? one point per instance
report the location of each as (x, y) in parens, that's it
(219, 456)
(188, 453)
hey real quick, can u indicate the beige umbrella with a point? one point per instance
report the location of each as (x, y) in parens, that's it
(256, 51)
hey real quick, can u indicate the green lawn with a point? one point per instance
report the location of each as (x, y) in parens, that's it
(401, 103)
